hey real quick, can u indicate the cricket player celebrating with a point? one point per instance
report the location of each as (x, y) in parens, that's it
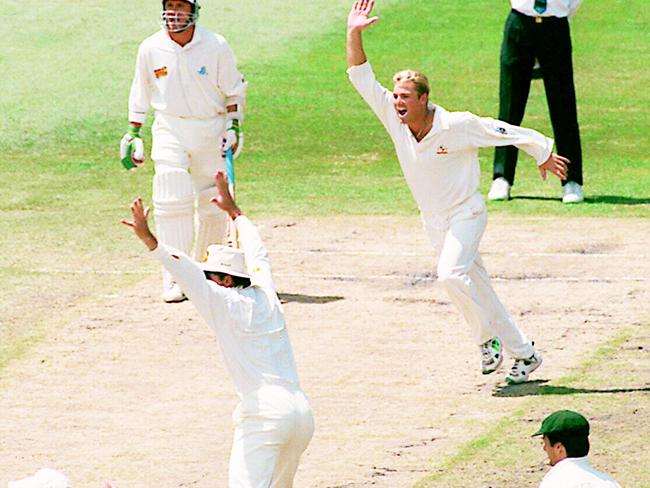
(438, 153)
(233, 291)
(189, 76)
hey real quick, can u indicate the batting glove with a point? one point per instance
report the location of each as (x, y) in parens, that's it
(233, 139)
(132, 149)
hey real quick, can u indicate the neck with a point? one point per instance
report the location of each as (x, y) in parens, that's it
(420, 128)
(183, 38)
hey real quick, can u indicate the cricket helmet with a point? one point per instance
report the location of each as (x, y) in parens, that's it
(174, 21)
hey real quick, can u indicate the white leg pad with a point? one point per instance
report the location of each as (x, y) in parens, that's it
(173, 200)
(211, 223)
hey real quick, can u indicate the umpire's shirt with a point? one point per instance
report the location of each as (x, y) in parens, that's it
(546, 8)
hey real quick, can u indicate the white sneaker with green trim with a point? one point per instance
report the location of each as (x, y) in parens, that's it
(491, 355)
(522, 369)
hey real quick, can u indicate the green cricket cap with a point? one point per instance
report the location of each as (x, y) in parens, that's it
(564, 421)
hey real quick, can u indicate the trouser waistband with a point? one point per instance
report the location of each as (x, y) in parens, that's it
(538, 19)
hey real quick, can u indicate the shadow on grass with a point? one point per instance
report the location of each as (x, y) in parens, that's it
(299, 298)
(616, 200)
(539, 387)
(599, 199)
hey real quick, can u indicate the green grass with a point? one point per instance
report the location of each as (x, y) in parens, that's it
(610, 388)
(313, 147)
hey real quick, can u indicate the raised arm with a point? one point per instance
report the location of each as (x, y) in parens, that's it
(358, 21)
(186, 272)
(257, 257)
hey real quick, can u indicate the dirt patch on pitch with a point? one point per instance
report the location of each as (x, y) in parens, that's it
(129, 389)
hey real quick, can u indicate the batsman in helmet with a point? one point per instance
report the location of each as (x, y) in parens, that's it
(189, 76)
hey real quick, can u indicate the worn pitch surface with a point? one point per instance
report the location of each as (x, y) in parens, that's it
(129, 389)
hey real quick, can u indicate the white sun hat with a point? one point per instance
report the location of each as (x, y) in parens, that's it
(44, 478)
(225, 259)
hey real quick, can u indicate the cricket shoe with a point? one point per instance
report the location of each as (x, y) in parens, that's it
(491, 355)
(522, 369)
(500, 190)
(572, 193)
(172, 293)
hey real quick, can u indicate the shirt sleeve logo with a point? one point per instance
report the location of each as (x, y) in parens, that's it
(501, 130)
(160, 72)
(442, 150)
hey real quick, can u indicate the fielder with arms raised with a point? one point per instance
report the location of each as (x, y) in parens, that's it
(189, 76)
(233, 291)
(438, 154)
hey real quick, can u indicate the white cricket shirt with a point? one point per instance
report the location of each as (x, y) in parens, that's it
(442, 170)
(196, 81)
(554, 8)
(576, 473)
(249, 323)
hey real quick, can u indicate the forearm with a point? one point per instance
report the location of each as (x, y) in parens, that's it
(488, 132)
(186, 272)
(257, 256)
(354, 48)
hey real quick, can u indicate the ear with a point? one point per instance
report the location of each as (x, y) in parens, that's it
(228, 281)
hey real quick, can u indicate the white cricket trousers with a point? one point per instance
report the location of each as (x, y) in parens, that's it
(273, 426)
(187, 155)
(456, 237)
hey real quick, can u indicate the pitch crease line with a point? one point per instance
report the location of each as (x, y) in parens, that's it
(509, 254)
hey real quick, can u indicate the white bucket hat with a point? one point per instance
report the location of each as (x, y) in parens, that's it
(225, 259)
(44, 478)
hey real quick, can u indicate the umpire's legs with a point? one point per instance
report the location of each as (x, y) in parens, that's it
(462, 274)
(554, 53)
(517, 60)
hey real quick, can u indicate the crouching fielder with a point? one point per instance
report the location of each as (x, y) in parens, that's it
(438, 153)
(233, 291)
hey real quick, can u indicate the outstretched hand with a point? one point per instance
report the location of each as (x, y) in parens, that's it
(140, 225)
(224, 199)
(358, 18)
(554, 164)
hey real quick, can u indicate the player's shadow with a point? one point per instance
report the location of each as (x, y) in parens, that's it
(540, 387)
(617, 200)
(594, 199)
(300, 298)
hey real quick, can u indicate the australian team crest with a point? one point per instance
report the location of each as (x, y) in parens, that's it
(160, 72)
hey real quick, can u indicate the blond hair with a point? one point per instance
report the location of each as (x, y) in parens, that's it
(419, 80)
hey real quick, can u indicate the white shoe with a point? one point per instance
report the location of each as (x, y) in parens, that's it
(172, 293)
(522, 369)
(491, 355)
(572, 193)
(500, 190)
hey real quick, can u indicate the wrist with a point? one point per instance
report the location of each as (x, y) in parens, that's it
(234, 212)
(134, 130)
(151, 242)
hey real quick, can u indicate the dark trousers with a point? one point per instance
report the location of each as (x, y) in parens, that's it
(549, 41)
